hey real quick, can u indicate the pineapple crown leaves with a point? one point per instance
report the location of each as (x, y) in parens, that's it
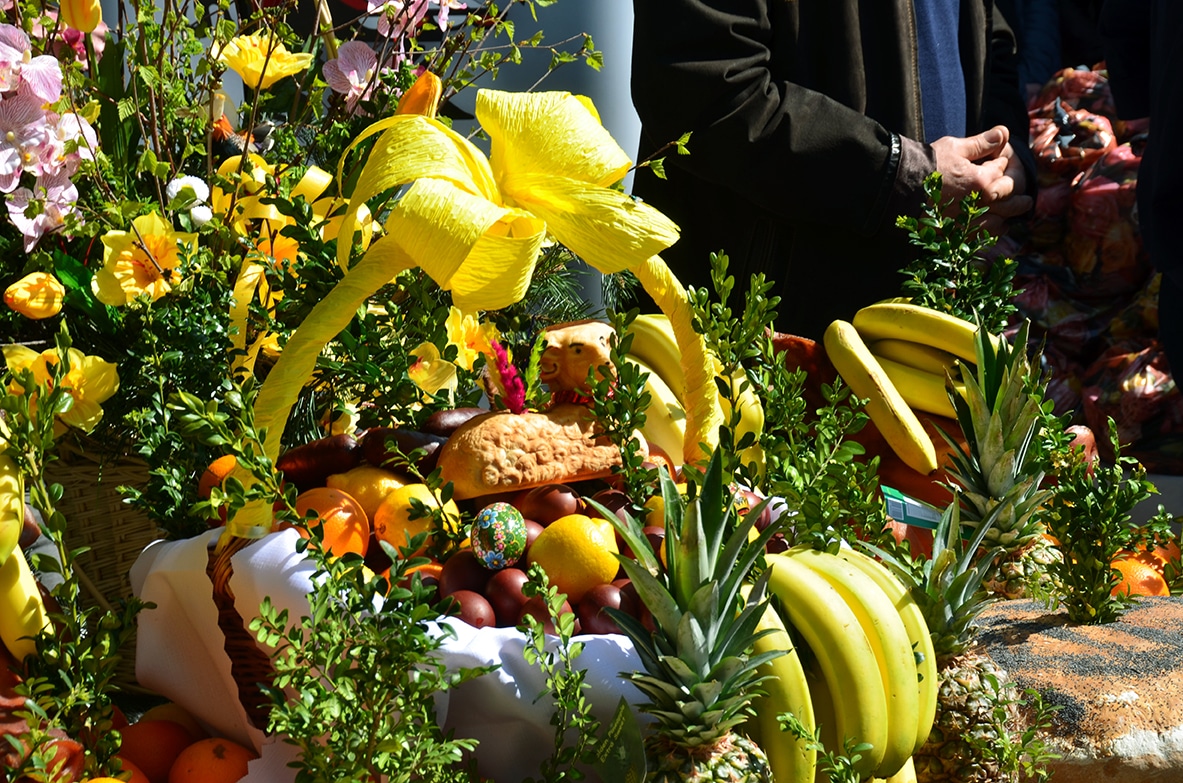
(698, 657)
(1001, 394)
(948, 586)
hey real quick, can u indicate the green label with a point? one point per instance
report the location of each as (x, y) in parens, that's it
(620, 755)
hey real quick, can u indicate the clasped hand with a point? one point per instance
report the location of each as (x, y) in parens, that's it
(986, 164)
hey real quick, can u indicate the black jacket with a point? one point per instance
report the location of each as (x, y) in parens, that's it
(803, 116)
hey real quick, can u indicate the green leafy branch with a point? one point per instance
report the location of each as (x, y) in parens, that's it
(951, 273)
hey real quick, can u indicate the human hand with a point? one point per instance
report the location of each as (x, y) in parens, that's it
(985, 164)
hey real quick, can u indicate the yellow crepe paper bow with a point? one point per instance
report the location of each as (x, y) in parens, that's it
(476, 225)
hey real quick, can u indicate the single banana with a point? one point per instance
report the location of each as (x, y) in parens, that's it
(888, 411)
(918, 634)
(786, 691)
(904, 321)
(889, 639)
(751, 415)
(12, 505)
(665, 420)
(919, 355)
(823, 704)
(22, 612)
(820, 614)
(922, 390)
(654, 344)
(907, 773)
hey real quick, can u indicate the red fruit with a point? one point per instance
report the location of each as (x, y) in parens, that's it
(593, 618)
(536, 607)
(547, 503)
(474, 609)
(504, 593)
(463, 571)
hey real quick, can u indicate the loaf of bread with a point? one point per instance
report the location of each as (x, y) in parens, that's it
(502, 451)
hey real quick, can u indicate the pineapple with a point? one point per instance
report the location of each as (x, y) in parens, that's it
(972, 688)
(1001, 417)
(699, 674)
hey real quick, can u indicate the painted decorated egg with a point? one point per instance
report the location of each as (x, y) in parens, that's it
(498, 535)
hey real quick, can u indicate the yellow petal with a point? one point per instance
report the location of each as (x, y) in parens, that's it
(604, 227)
(413, 147)
(101, 377)
(438, 226)
(548, 133)
(430, 372)
(107, 289)
(19, 357)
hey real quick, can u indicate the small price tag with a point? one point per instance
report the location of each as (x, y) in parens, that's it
(909, 510)
(620, 755)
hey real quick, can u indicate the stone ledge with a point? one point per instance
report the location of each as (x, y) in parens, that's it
(1119, 686)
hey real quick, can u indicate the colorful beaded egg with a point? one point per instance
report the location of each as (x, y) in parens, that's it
(498, 535)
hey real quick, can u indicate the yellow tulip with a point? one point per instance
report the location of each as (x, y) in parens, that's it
(82, 15)
(37, 295)
(431, 373)
(90, 381)
(470, 336)
(145, 260)
(262, 61)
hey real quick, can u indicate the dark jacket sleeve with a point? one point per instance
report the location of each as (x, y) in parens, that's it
(706, 66)
(1003, 102)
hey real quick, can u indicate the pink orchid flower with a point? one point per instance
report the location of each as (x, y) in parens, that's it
(22, 131)
(53, 199)
(352, 71)
(41, 75)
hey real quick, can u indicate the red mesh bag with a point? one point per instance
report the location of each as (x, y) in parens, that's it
(1130, 383)
(1103, 247)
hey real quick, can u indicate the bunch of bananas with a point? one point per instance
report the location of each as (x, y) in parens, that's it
(22, 612)
(869, 673)
(903, 358)
(655, 350)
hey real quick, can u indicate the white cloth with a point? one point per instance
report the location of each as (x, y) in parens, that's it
(180, 655)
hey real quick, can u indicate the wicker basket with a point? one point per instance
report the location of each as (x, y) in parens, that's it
(113, 532)
(249, 664)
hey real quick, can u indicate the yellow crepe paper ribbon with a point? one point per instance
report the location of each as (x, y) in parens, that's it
(311, 186)
(476, 226)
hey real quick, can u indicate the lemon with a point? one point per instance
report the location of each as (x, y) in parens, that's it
(392, 519)
(577, 553)
(367, 484)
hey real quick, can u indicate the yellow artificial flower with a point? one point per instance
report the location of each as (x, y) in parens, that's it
(142, 261)
(90, 381)
(82, 15)
(430, 372)
(472, 337)
(260, 61)
(37, 295)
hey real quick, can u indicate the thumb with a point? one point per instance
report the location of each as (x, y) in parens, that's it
(986, 144)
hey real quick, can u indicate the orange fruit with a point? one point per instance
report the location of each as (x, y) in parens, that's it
(137, 774)
(1139, 578)
(577, 553)
(369, 485)
(215, 474)
(345, 523)
(153, 746)
(178, 714)
(211, 760)
(392, 520)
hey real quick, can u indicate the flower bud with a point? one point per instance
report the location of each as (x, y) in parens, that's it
(36, 295)
(82, 15)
